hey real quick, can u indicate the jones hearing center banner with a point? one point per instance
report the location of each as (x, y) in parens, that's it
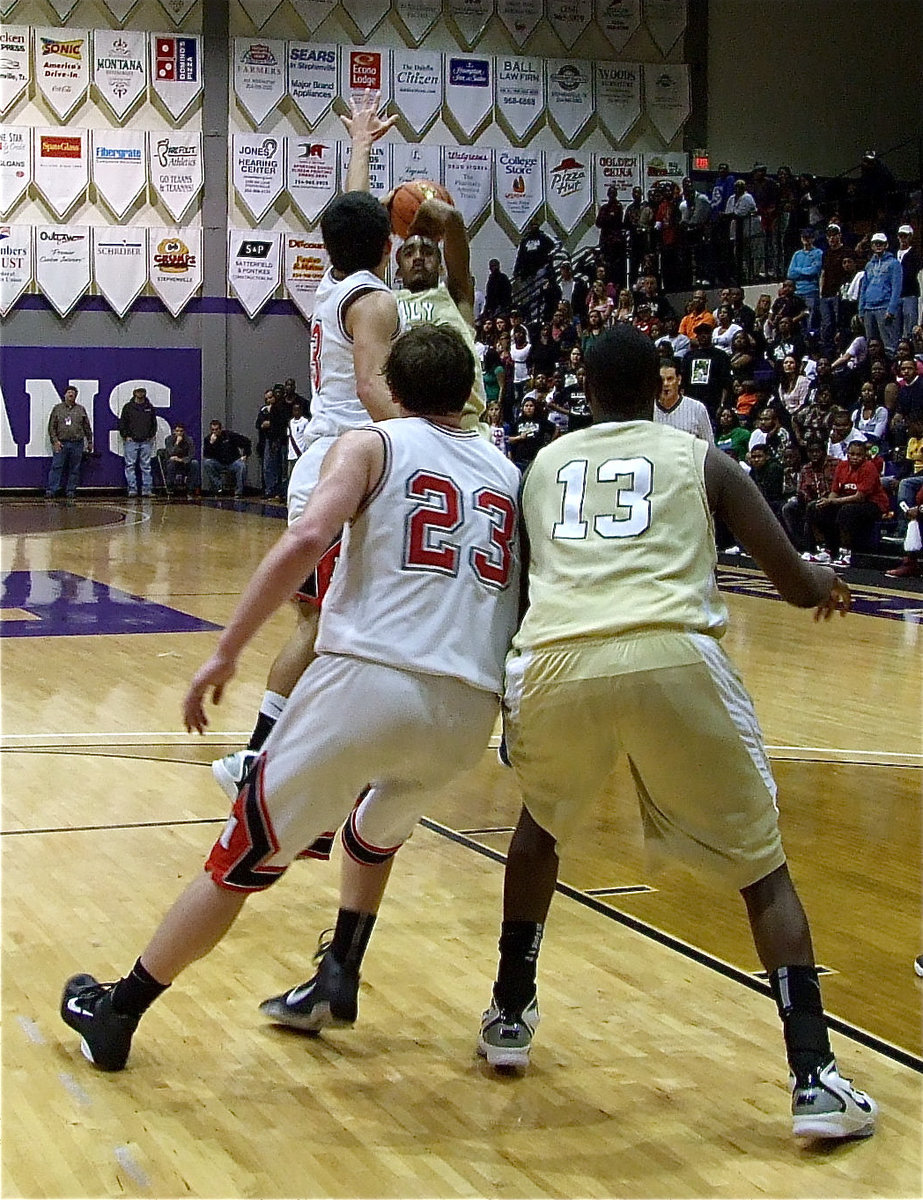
(15, 165)
(470, 18)
(569, 89)
(417, 76)
(62, 264)
(311, 174)
(176, 169)
(120, 265)
(62, 68)
(258, 171)
(313, 78)
(469, 92)
(60, 167)
(469, 177)
(15, 73)
(175, 265)
(119, 167)
(17, 266)
(120, 68)
(619, 21)
(259, 76)
(254, 267)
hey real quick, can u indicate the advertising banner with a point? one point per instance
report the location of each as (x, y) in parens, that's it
(254, 267)
(619, 21)
(120, 68)
(259, 76)
(569, 19)
(666, 20)
(306, 261)
(417, 87)
(259, 11)
(518, 184)
(469, 92)
(418, 17)
(176, 169)
(368, 14)
(624, 171)
(176, 71)
(258, 167)
(313, 12)
(469, 178)
(671, 165)
(15, 165)
(175, 265)
(520, 93)
(415, 160)
(62, 264)
(119, 167)
(60, 167)
(618, 97)
(379, 168)
(366, 70)
(120, 9)
(120, 265)
(521, 18)
(177, 10)
(313, 78)
(569, 92)
(311, 175)
(666, 97)
(62, 67)
(568, 188)
(15, 65)
(63, 8)
(16, 264)
(470, 18)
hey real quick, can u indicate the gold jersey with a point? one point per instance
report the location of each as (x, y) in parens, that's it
(620, 536)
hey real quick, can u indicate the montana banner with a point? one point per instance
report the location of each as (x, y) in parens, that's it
(176, 71)
(60, 167)
(15, 165)
(366, 70)
(175, 265)
(62, 67)
(470, 18)
(313, 78)
(120, 68)
(521, 18)
(417, 86)
(120, 265)
(313, 12)
(469, 92)
(519, 84)
(568, 188)
(16, 71)
(17, 265)
(254, 267)
(259, 76)
(619, 21)
(62, 264)
(306, 260)
(469, 178)
(258, 165)
(518, 186)
(32, 382)
(618, 97)
(666, 97)
(569, 90)
(569, 19)
(176, 169)
(119, 167)
(622, 171)
(311, 174)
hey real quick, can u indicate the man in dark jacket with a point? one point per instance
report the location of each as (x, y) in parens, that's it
(498, 292)
(137, 428)
(224, 453)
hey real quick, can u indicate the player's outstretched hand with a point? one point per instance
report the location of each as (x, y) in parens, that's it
(839, 600)
(214, 674)
(363, 120)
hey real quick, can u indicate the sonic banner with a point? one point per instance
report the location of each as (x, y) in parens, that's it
(62, 68)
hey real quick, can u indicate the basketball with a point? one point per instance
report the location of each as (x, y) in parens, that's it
(407, 199)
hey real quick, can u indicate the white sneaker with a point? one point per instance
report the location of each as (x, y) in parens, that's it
(231, 771)
(732, 550)
(822, 557)
(828, 1106)
(843, 560)
(506, 1036)
(918, 964)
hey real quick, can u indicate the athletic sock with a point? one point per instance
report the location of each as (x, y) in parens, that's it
(519, 946)
(271, 708)
(134, 995)
(351, 937)
(796, 991)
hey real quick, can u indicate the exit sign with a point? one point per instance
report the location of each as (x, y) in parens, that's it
(700, 160)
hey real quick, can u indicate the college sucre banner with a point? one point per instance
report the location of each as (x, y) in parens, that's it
(15, 165)
(619, 21)
(568, 188)
(258, 168)
(16, 264)
(177, 10)
(306, 261)
(469, 92)
(366, 69)
(120, 68)
(62, 67)
(367, 14)
(418, 17)
(622, 170)
(666, 97)
(62, 264)
(671, 165)
(415, 160)
(176, 169)
(666, 20)
(259, 76)
(518, 184)
(254, 267)
(259, 11)
(569, 95)
(120, 265)
(120, 9)
(311, 175)
(569, 18)
(470, 18)
(417, 86)
(519, 84)
(379, 168)
(119, 167)
(313, 78)
(176, 70)
(521, 17)
(469, 177)
(16, 71)
(175, 265)
(60, 167)
(313, 12)
(617, 87)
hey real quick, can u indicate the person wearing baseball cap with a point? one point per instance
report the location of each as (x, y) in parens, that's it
(805, 268)
(880, 294)
(909, 258)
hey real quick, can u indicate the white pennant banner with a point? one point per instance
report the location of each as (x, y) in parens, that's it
(366, 70)
(16, 264)
(63, 8)
(15, 165)
(521, 18)
(469, 178)
(259, 11)
(60, 167)
(418, 17)
(62, 67)
(379, 168)
(367, 15)
(618, 97)
(666, 20)
(16, 69)
(470, 18)
(258, 171)
(518, 184)
(417, 78)
(313, 78)
(668, 165)
(622, 171)
(254, 267)
(415, 160)
(568, 188)
(177, 10)
(619, 21)
(469, 92)
(120, 9)
(666, 97)
(569, 95)
(120, 265)
(119, 167)
(259, 76)
(176, 71)
(176, 169)
(175, 265)
(306, 260)
(569, 19)
(62, 264)
(313, 12)
(311, 176)
(120, 68)
(520, 93)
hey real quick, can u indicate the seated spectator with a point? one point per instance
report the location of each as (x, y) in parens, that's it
(574, 360)
(679, 344)
(599, 301)
(696, 314)
(647, 321)
(788, 304)
(771, 433)
(766, 473)
(224, 454)
(870, 418)
(528, 434)
(910, 566)
(792, 389)
(732, 439)
(180, 466)
(815, 419)
(625, 307)
(647, 291)
(725, 329)
(497, 431)
(747, 403)
(743, 355)
(786, 340)
(814, 483)
(543, 357)
(843, 521)
(842, 434)
(791, 469)
(911, 468)
(909, 396)
(577, 403)
(594, 328)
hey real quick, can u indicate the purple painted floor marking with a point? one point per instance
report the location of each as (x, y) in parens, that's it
(868, 601)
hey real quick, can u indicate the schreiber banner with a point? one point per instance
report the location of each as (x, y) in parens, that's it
(33, 379)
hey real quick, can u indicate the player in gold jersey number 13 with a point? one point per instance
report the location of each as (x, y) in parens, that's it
(632, 514)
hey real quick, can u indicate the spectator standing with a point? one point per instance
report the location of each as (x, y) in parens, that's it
(534, 252)
(694, 219)
(297, 434)
(880, 294)
(707, 370)
(832, 278)
(610, 221)
(682, 412)
(179, 461)
(529, 433)
(138, 428)
(805, 270)
(909, 258)
(71, 437)
(721, 192)
(765, 192)
(639, 225)
(224, 453)
(744, 223)
(498, 291)
(497, 431)
(520, 349)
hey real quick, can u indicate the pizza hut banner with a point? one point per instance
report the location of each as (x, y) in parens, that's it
(62, 67)
(520, 93)
(569, 19)
(176, 71)
(259, 171)
(568, 188)
(619, 21)
(16, 71)
(469, 92)
(521, 18)
(120, 265)
(60, 167)
(16, 264)
(176, 169)
(366, 70)
(311, 174)
(313, 78)
(306, 261)
(259, 76)
(469, 177)
(618, 97)
(470, 18)
(15, 165)
(569, 90)
(417, 76)
(254, 267)
(175, 265)
(62, 264)
(518, 184)
(119, 167)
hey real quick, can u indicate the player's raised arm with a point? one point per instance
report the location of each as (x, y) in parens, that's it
(365, 127)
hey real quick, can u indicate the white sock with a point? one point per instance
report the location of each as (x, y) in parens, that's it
(272, 705)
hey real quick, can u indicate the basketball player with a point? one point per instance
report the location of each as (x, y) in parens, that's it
(404, 689)
(619, 650)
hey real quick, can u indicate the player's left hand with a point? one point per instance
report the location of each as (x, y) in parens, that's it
(363, 120)
(214, 674)
(839, 600)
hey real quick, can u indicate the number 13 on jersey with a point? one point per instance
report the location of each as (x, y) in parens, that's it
(633, 480)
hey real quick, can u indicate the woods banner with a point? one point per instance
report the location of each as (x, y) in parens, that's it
(618, 97)
(62, 67)
(175, 265)
(119, 68)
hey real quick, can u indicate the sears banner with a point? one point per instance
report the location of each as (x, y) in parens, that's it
(32, 382)
(313, 75)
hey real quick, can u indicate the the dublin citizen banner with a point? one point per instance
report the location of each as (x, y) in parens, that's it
(62, 67)
(175, 161)
(568, 188)
(258, 169)
(379, 168)
(520, 93)
(470, 18)
(469, 178)
(619, 21)
(16, 264)
(521, 18)
(175, 265)
(365, 69)
(15, 165)
(16, 71)
(259, 11)
(469, 92)
(306, 261)
(666, 20)
(367, 15)
(313, 12)
(569, 19)
(120, 68)
(618, 97)
(254, 267)
(259, 76)
(313, 78)
(417, 86)
(119, 167)
(418, 17)
(415, 160)
(569, 91)
(62, 264)
(623, 171)
(518, 188)
(311, 174)
(176, 71)
(666, 97)
(60, 167)
(120, 265)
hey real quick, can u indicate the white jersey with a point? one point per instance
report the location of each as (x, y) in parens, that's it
(428, 577)
(335, 407)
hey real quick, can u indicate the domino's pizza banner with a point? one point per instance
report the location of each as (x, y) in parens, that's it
(32, 382)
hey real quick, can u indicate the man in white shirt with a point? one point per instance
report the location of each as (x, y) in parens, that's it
(682, 412)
